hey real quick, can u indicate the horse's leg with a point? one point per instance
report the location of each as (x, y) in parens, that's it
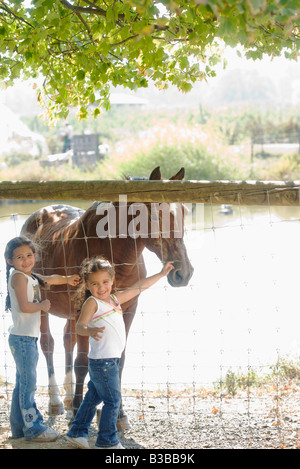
(69, 344)
(81, 370)
(123, 422)
(47, 345)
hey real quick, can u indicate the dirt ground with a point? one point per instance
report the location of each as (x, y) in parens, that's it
(265, 418)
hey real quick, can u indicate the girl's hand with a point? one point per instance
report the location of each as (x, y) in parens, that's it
(167, 268)
(73, 280)
(96, 332)
(45, 305)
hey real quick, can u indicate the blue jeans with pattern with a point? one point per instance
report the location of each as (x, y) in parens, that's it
(25, 419)
(104, 386)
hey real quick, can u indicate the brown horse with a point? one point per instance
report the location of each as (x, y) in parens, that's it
(66, 236)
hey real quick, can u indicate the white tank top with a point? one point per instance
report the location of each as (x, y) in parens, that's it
(25, 324)
(113, 340)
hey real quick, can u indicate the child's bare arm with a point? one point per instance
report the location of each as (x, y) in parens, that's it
(143, 284)
(87, 312)
(19, 284)
(61, 279)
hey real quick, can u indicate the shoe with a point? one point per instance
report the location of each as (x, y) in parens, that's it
(79, 442)
(48, 435)
(123, 423)
(118, 446)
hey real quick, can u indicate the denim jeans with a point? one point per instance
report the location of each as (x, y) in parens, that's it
(25, 419)
(104, 386)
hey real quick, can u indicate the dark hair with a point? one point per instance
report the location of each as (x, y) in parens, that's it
(8, 254)
(90, 266)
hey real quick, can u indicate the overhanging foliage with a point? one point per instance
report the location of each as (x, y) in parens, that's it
(83, 47)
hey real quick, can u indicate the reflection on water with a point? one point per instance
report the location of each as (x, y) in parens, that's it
(239, 311)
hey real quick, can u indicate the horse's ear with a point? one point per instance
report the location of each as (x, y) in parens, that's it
(155, 175)
(179, 176)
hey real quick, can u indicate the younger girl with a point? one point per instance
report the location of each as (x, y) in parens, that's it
(24, 301)
(107, 343)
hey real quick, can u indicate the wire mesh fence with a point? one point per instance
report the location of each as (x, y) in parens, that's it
(214, 364)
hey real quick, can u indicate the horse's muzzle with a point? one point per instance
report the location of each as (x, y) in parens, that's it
(180, 277)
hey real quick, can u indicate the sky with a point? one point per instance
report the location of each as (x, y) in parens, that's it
(275, 67)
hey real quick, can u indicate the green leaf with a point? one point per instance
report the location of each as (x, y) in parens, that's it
(184, 62)
(80, 75)
(256, 6)
(227, 27)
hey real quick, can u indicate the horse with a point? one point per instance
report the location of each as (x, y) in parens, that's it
(65, 236)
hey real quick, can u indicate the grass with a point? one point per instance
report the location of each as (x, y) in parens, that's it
(285, 371)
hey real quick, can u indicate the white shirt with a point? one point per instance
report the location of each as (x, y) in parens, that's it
(25, 324)
(113, 340)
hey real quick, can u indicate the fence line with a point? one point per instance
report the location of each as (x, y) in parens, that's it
(224, 303)
(277, 193)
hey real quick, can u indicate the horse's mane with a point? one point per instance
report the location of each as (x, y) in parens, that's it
(59, 223)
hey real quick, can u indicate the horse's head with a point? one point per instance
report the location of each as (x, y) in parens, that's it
(129, 227)
(165, 237)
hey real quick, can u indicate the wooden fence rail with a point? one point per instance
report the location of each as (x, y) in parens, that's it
(216, 192)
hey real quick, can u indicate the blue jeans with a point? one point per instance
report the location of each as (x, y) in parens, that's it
(25, 419)
(104, 386)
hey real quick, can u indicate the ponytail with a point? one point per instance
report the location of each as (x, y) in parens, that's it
(42, 282)
(7, 300)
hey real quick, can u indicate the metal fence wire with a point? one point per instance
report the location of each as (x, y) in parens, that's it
(214, 364)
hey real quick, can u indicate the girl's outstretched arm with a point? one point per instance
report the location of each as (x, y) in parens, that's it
(143, 284)
(61, 279)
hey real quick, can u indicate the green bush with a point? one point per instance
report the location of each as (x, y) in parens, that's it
(195, 158)
(16, 158)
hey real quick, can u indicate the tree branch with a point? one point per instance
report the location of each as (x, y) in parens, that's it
(95, 10)
(76, 8)
(11, 13)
